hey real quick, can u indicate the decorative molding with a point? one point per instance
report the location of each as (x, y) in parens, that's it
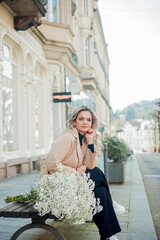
(74, 7)
(75, 65)
(25, 22)
(101, 63)
(3, 31)
(103, 95)
(26, 13)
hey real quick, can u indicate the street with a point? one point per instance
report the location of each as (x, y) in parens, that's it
(150, 169)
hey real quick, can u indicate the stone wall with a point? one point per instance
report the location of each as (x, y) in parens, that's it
(13, 167)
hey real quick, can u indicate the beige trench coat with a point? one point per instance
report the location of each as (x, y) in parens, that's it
(67, 150)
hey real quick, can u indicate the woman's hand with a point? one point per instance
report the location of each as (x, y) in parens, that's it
(81, 169)
(90, 136)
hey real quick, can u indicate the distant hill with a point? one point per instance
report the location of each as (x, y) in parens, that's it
(139, 110)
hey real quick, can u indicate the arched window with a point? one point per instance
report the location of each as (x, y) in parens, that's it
(52, 8)
(9, 99)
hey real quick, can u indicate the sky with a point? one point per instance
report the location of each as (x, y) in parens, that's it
(132, 33)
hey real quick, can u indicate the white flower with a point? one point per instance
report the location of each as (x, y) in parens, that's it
(67, 195)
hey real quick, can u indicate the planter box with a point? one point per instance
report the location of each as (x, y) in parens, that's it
(116, 172)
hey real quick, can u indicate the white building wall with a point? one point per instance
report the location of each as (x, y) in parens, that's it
(139, 139)
(43, 56)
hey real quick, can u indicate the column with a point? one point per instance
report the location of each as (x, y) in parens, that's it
(3, 31)
(22, 110)
(31, 119)
(1, 132)
(55, 82)
(45, 110)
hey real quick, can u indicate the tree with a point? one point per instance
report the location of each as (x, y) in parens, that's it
(130, 113)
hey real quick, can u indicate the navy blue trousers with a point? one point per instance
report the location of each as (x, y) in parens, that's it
(105, 220)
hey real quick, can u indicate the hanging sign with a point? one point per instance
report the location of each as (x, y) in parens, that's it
(62, 97)
(75, 87)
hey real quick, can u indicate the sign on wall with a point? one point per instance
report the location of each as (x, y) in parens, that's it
(62, 97)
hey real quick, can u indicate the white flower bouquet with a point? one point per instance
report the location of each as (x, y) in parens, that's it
(66, 195)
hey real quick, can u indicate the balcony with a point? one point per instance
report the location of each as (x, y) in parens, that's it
(89, 83)
(26, 13)
(88, 78)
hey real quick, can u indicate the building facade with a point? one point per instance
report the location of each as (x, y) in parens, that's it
(67, 52)
(140, 136)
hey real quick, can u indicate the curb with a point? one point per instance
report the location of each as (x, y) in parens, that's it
(140, 225)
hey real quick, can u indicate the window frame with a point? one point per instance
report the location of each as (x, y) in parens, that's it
(85, 7)
(49, 15)
(12, 89)
(87, 51)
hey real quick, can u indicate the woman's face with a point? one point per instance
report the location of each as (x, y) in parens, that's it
(83, 122)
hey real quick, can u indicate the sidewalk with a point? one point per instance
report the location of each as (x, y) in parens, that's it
(136, 223)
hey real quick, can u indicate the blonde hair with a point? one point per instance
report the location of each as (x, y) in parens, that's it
(74, 116)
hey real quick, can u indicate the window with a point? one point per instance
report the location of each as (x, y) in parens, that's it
(87, 61)
(52, 8)
(85, 4)
(9, 100)
(78, 100)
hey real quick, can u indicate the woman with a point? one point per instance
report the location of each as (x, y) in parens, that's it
(75, 149)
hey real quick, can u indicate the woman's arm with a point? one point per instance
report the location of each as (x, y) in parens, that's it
(90, 159)
(59, 151)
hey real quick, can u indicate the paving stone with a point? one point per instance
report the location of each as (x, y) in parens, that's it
(121, 193)
(122, 236)
(6, 236)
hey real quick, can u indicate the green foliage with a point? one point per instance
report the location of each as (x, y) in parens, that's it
(130, 113)
(117, 150)
(31, 196)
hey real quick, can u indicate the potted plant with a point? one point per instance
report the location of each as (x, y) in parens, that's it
(117, 155)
